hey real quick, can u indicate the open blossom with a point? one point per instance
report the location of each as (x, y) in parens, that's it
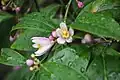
(43, 44)
(63, 34)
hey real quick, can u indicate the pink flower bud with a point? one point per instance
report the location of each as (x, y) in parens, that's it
(51, 38)
(17, 9)
(54, 34)
(29, 62)
(87, 39)
(80, 4)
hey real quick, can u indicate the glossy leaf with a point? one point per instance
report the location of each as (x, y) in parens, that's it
(98, 24)
(36, 24)
(22, 74)
(69, 57)
(11, 57)
(24, 41)
(100, 5)
(47, 71)
(104, 66)
(40, 21)
(53, 71)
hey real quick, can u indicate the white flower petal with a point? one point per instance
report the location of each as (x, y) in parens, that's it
(41, 40)
(71, 31)
(36, 37)
(43, 50)
(63, 26)
(36, 41)
(40, 52)
(69, 40)
(60, 40)
(58, 32)
(36, 45)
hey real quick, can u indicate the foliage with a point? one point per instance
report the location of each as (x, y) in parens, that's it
(98, 59)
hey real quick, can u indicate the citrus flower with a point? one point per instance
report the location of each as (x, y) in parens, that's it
(43, 44)
(63, 34)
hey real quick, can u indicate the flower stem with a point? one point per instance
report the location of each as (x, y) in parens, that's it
(66, 13)
(105, 73)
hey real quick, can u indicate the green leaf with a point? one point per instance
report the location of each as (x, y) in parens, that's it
(101, 5)
(110, 71)
(40, 21)
(24, 41)
(96, 69)
(98, 24)
(22, 74)
(109, 7)
(35, 24)
(69, 57)
(11, 57)
(53, 71)
(50, 10)
(35, 21)
(98, 49)
(47, 71)
(105, 66)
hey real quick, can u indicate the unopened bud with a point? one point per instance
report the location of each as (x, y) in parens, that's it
(32, 68)
(36, 67)
(32, 55)
(29, 62)
(87, 39)
(36, 63)
(17, 9)
(54, 34)
(51, 38)
(37, 60)
(80, 4)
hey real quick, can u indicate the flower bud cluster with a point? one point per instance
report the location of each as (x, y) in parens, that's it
(33, 63)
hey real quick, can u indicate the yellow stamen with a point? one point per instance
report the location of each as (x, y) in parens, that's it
(65, 34)
(39, 46)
